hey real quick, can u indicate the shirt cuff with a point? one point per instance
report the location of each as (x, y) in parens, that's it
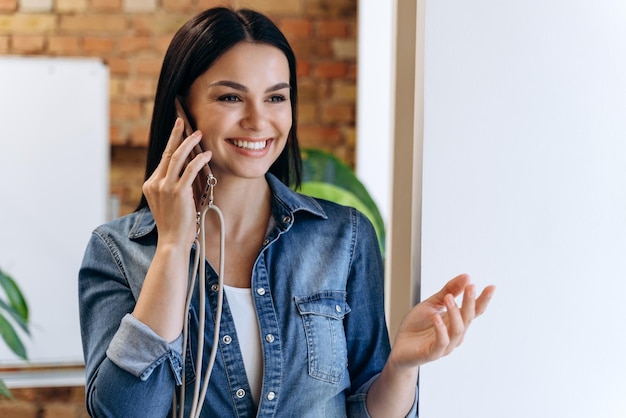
(358, 401)
(138, 350)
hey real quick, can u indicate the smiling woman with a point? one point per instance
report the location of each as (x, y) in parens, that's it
(310, 271)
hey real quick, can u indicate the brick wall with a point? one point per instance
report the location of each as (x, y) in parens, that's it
(131, 37)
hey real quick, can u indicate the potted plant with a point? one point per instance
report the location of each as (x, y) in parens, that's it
(13, 313)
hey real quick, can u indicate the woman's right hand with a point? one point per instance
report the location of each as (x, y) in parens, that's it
(170, 194)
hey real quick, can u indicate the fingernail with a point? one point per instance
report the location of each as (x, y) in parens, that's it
(178, 122)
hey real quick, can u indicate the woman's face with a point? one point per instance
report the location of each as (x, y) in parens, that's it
(241, 104)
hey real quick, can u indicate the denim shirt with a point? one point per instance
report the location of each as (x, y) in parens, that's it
(317, 287)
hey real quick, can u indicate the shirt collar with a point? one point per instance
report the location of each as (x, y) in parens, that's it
(285, 199)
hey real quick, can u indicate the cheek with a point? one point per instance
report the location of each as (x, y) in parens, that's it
(286, 121)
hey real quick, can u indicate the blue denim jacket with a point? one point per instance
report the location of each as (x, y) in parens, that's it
(318, 293)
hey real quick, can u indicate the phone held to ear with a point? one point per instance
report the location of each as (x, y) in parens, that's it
(200, 183)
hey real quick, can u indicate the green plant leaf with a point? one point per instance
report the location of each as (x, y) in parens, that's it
(4, 390)
(11, 338)
(16, 298)
(15, 315)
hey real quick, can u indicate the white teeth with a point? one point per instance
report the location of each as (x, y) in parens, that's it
(256, 145)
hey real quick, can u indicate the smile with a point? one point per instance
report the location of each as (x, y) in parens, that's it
(249, 145)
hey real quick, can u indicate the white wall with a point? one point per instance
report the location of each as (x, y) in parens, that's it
(525, 187)
(375, 104)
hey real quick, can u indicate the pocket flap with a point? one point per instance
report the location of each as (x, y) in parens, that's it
(329, 303)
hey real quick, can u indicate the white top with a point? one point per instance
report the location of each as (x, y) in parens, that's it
(244, 316)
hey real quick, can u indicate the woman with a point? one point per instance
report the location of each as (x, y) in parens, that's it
(303, 329)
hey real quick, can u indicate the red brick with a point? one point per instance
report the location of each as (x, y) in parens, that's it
(207, 4)
(307, 112)
(69, 45)
(274, 7)
(344, 91)
(99, 45)
(338, 113)
(313, 90)
(296, 28)
(177, 5)
(92, 23)
(303, 68)
(27, 23)
(140, 6)
(331, 8)
(139, 88)
(146, 66)
(27, 44)
(309, 135)
(150, 24)
(161, 43)
(71, 6)
(106, 5)
(139, 135)
(115, 136)
(4, 44)
(125, 110)
(8, 5)
(118, 66)
(312, 48)
(331, 69)
(134, 43)
(336, 28)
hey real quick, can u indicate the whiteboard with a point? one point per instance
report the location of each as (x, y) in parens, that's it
(524, 186)
(54, 168)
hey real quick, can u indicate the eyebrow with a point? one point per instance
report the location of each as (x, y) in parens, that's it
(243, 88)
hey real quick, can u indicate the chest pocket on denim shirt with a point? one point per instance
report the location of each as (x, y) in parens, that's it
(322, 315)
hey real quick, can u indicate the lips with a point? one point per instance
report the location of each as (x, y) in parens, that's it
(249, 145)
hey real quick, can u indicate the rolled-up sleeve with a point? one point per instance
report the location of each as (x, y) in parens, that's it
(357, 403)
(138, 350)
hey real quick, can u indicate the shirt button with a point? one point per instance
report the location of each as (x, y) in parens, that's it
(214, 287)
(260, 291)
(240, 393)
(338, 308)
(271, 396)
(269, 338)
(266, 241)
(286, 219)
(227, 339)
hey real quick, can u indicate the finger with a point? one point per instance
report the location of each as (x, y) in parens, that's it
(193, 168)
(484, 299)
(469, 305)
(456, 326)
(172, 144)
(453, 287)
(442, 339)
(179, 157)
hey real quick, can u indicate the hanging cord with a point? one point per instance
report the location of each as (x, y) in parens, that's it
(199, 270)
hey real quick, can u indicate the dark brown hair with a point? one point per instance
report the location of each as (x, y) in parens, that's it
(194, 48)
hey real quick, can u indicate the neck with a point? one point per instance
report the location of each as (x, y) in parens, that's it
(245, 205)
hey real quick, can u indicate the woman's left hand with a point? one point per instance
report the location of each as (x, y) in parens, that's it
(435, 327)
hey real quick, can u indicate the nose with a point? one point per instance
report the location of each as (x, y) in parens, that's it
(254, 118)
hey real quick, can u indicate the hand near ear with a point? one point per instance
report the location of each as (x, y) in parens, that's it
(435, 327)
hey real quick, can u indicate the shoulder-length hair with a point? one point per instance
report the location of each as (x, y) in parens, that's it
(193, 49)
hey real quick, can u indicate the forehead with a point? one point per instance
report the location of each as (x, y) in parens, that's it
(249, 62)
